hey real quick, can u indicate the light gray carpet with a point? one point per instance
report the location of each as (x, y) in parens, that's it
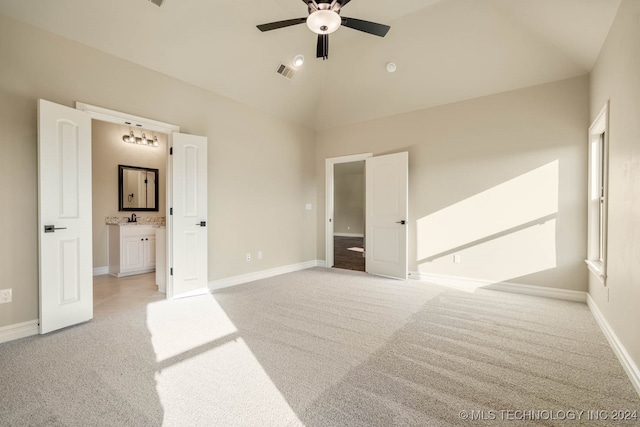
(318, 348)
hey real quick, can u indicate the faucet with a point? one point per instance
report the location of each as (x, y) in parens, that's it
(133, 218)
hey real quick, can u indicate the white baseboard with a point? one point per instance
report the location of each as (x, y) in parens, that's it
(263, 274)
(19, 330)
(471, 284)
(625, 359)
(348, 235)
(100, 271)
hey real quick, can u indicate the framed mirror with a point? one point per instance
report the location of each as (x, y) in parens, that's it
(137, 188)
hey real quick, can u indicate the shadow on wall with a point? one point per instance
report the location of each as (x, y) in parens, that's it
(505, 232)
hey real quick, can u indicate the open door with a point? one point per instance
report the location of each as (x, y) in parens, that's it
(189, 220)
(64, 218)
(386, 217)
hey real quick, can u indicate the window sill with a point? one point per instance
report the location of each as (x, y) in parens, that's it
(597, 268)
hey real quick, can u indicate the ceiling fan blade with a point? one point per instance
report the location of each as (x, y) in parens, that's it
(312, 4)
(366, 26)
(322, 51)
(281, 24)
(343, 3)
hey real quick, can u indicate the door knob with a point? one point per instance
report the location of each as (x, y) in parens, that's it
(202, 223)
(52, 228)
(403, 222)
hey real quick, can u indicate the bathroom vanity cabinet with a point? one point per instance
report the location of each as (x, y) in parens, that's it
(132, 249)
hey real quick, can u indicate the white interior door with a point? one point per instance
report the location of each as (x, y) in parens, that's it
(189, 219)
(386, 218)
(64, 220)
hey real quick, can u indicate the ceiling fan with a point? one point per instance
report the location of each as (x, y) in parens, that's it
(324, 18)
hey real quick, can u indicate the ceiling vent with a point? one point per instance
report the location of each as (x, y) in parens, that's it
(157, 2)
(285, 71)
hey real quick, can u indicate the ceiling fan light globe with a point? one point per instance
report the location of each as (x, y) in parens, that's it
(324, 21)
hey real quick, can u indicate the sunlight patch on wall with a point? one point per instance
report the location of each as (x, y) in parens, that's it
(505, 232)
(516, 254)
(521, 200)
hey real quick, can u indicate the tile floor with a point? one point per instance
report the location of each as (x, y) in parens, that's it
(112, 294)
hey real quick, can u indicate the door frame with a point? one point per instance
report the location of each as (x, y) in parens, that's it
(112, 116)
(329, 204)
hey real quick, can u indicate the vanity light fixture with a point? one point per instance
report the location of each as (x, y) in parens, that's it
(142, 140)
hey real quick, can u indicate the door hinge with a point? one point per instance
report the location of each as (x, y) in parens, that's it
(170, 211)
(171, 151)
(171, 271)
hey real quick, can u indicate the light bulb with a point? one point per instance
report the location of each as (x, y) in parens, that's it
(298, 61)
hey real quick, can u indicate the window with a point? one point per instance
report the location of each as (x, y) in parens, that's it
(597, 210)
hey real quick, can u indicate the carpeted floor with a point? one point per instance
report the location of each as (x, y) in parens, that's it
(320, 347)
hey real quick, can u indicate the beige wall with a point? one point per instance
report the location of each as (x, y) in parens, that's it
(500, 180)
(261, 169)
(109, 151)
(616, 77)
(349, 197)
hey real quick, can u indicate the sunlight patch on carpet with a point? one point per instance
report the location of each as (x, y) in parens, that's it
(206, 372)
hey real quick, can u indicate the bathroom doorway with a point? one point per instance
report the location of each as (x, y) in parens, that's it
(113, 145)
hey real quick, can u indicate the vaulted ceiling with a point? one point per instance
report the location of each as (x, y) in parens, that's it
(445, 50)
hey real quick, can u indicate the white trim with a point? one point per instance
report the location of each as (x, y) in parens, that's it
(623, 356)
(112, 116)
(598, 166)
(19, 330)
(263, 274)
(101, 271)
(471, 284)
(329, 164)
(348, 235)
(597, 268)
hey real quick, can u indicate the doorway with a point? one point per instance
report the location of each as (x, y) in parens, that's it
(386, 183)
(65, 211)
(349, 215)
(111, 149)
(330, 165)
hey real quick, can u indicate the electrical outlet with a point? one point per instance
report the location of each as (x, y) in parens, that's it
(259, 254)
(5, 295)
(248, 257)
